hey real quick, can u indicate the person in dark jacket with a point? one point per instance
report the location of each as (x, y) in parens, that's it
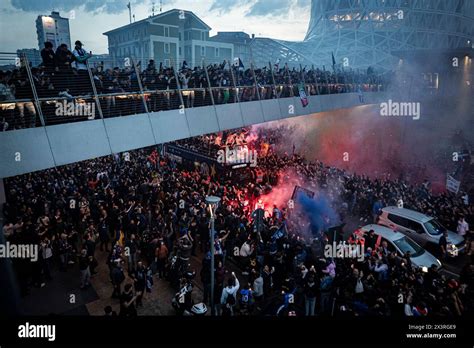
(206, 277)
(443, 245)
(104, 235)
(117, 278)
(84, 263)
(89, 245)
(49, 58)
(127, 302)
(310, 292)
(63, 68)
(267, 280)
(139, 278)
(370, 240)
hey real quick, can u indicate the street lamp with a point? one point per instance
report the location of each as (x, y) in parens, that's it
(213, 202)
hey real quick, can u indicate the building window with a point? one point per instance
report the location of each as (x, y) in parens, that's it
(167, 63)
(203, 35)
(203, 51)
(167, 31)
(167, 48)
(216, 52)
(179, 36)
(180, 51)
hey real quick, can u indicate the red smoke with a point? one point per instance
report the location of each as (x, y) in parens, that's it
(363, 142)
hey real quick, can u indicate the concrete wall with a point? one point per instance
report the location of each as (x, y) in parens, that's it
(27, 150)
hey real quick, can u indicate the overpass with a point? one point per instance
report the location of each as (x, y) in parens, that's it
(32, 149)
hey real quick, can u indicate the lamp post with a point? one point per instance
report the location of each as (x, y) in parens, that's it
(213, 202)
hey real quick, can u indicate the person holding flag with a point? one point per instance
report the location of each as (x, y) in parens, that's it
(153, 158)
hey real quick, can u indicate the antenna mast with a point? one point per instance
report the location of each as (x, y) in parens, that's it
(130, 12)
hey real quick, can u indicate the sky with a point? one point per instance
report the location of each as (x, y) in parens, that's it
(279, 19)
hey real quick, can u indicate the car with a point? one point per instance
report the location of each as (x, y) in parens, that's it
(423, 229)
(400, 243)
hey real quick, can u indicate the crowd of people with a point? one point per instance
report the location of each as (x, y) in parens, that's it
(147, 211)
(63, 75)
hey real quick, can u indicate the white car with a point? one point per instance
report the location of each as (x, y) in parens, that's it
(402, 244)
(423, 229)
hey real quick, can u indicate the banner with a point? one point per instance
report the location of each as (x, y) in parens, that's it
(452, 184)
(301, 190)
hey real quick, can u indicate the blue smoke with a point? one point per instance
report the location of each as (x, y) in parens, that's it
(317, 209)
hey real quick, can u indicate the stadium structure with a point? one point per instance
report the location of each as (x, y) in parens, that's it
(376, 33)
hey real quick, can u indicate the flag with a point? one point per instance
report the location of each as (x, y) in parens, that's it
(128, 5)
(452, 184)
(238, 63)
(279, 233)
(333, 59)
(303, 97)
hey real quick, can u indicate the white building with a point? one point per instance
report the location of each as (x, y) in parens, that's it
(170, 37)
(53, 28)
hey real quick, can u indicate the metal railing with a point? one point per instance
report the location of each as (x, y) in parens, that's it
(32, 97)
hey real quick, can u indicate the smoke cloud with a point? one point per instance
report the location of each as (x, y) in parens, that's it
(318, 210)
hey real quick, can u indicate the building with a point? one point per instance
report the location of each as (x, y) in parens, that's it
(241, 42)
(170, 37)
(53, 28)
(32, 54)
(100, 60)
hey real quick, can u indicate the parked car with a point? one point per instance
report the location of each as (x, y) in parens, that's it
(423, 229)
(400, 243)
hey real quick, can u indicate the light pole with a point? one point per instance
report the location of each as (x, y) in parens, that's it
(213, 202)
